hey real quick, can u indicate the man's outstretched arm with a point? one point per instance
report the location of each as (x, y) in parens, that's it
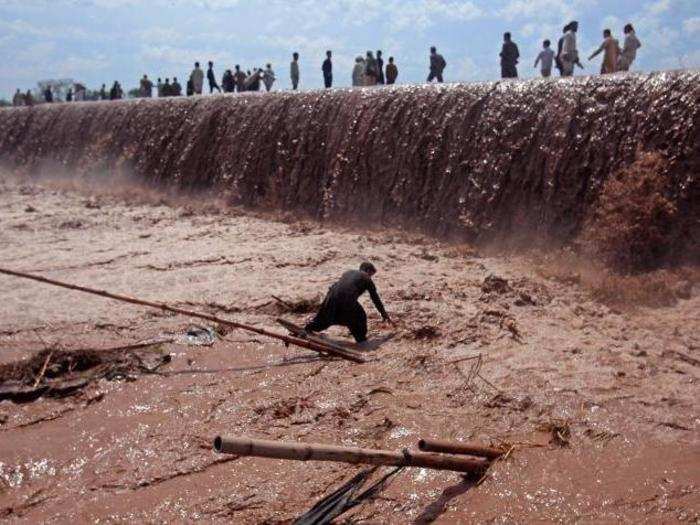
(377, 301)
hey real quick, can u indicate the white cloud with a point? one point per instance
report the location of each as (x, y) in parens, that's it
(76, 66)
(691, 60)
(545, 9)
(613, 23)
(157, 35)
(115, 4)
(681, 60)
(658, 7)
(21, 27)
(692, 25)
(651, 23)
(169, 58)
(466, 69)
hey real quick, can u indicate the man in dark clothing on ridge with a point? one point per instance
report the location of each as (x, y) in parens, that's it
(380, 67)
(239, 77)
(175, 88)
(340, 307)
(509, 58)
(228, 83)
(327, 69)
(211, 77)
(437, 65)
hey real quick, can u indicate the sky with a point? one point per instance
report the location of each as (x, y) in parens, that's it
(99, 41)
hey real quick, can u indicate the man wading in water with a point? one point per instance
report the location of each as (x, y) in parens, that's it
(340, 307)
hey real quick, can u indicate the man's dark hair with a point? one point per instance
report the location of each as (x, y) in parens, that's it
(196, 64)
(368, 267)
(506, 36)
(379, 52)
(295, 55)
(607, 32)
(391, 59)
(328, 53)
(547, 43)
(238, 67)
(211, 63)
(433, 49)
(629, 28)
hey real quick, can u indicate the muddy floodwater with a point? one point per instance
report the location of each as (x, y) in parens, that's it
(599, 402)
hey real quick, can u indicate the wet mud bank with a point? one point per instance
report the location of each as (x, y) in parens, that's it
(476, 161)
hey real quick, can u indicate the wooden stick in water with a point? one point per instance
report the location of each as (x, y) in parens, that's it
(321, 452)
(456, 447)
(315, 346)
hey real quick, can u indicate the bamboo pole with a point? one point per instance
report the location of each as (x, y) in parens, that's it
(320, 452)
(309, 337)
(316, 347)
(455, 447)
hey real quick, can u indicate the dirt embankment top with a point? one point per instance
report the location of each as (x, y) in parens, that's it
(477, 160)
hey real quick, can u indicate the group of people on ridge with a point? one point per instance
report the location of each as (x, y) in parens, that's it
(567, 58)
(164, 89)
(370, 70)
(231, 81)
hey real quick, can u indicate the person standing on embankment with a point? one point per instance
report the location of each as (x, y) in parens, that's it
(18, 99)
(358, 72)
(569, 52)
(197, 78)
(629, 48)
(327, 69)
(371, 73)
(392, 72)
(380, 67)
(294, 71)
(211, 78)
(611, 53)
(437, 66)
(268, 77)
(509, 58)
(228, 83)
(240, 77)
(545, 59)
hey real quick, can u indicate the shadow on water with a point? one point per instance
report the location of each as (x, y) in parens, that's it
(370, 345)
(373, 345)
(439, 506)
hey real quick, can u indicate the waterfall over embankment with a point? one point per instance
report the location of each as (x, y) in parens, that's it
(473, 160)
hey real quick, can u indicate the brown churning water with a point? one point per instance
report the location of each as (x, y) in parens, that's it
(476, 161)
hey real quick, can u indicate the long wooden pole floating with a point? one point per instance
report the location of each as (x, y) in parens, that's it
(316, 347)
(320, 452)
(456, 447)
